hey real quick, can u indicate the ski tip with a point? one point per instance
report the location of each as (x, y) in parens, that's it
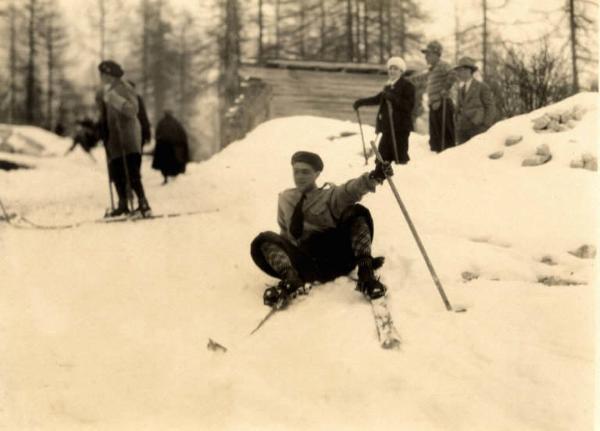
(215, 347)
(392, 344)
(459, 308)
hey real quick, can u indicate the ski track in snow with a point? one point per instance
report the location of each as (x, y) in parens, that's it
(105, 326)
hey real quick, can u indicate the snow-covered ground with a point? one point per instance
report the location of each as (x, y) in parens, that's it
(105, 326)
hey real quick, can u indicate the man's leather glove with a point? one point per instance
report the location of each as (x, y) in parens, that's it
(381, 171)
(356, 105)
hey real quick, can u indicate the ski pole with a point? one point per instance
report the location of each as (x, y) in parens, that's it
(362, 136)
(392, 129)
(110, 191)
(413, 230)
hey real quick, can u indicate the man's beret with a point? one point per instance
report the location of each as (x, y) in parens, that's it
(312, 159)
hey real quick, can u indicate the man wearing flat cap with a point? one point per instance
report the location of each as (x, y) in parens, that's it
(119, 106)
(323, 234)
(441, 109)
(475, 108)
(399, 94)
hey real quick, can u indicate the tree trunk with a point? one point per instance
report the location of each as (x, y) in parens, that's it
(13, 63)
(183, 72)
(484, 39)
(402, 27)
(158, 67)
(456, 33)
(301, 35)
(260, 32)
(349, 36)
(102, 25)
(231, 52)
(381, 32)
(573, 34)
(277, 30)
(145, 48)
(366, 30)
(357, 31)
(323, 29)
(389, 29)
(50, 66)
(30, 99)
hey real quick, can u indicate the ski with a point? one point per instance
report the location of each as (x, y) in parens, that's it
(282, 304)
(137, 216)
(387, 334)
(386, 331)
(22, 222)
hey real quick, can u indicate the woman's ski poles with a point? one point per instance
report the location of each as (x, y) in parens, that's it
(362, 137)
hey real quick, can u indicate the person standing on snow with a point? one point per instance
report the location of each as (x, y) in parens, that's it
(124, 142)
(400, 93)
(475, 108)
(324, 233)
(171, 153)
(441, 109)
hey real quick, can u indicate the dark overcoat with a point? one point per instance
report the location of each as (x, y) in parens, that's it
(171, 153)
(124, 131)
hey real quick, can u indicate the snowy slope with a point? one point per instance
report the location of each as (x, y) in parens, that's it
(105, 326)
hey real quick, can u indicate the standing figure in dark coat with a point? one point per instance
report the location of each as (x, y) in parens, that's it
(171, 153)
(401, 94)
(476, 109)
(119, 106)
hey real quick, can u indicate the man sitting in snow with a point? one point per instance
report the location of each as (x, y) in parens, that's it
(324, 232)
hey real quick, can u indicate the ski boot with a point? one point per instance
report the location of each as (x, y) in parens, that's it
(368, 284)
(143, 210)
(286, 290)
(120, 210)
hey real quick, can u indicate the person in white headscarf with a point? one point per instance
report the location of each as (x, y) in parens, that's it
(400, 93)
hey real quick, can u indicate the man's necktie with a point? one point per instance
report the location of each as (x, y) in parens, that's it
(297, 223)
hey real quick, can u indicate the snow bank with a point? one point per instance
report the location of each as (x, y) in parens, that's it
(106, 326)
(31, 141)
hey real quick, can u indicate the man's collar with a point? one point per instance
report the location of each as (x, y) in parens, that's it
(307, 192)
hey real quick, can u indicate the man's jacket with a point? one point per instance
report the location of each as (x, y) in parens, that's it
(322, 207)
(475, 108)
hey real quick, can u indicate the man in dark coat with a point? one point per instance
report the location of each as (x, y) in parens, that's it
(324, 233)
(400, 93)
(119, 104)
(171, 153)
(476, 110)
